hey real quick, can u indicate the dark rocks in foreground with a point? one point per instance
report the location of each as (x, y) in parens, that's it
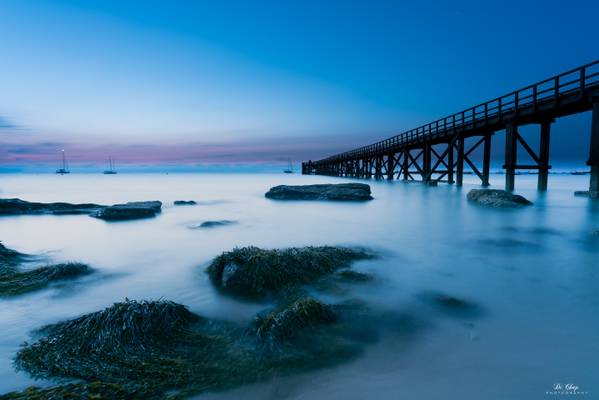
(129, 211)
(146, 349)
(255, 272)
(338, 192)
(497, 198)
(185, 203)
(22, 207)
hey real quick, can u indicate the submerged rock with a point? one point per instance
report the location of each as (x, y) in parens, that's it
(450, 304)
(341, 191)
(22, 207)
(128, 211)
(497, 198)
(185, 203)
(212, 224)
(282, 324)
(587, 193)
(13, 282)
(254, 272)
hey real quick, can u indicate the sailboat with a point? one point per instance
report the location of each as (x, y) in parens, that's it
(65, 166)
(289, 169)
(111, 170)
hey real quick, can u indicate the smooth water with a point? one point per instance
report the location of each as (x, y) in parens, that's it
(532, 271)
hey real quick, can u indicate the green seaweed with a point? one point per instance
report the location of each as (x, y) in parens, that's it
(255, 272)
(282, 324)
(158, 347)
(80, 391)
(13, 282)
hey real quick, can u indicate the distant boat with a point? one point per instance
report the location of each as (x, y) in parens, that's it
(111, 170)
(289, 169)
(65, 166)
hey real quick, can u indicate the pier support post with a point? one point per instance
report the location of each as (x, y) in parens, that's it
(594, 150)
(406, 174)
(460, 162)
(390, 166)
(486, 159)
(426, 162)
(510, 156)
(450, 165)
(544, 156)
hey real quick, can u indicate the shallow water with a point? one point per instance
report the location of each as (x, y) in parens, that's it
(532, 272)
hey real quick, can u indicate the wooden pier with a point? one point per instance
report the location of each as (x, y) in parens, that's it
(439, 151)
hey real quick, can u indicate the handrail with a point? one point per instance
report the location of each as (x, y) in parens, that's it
(511, 103)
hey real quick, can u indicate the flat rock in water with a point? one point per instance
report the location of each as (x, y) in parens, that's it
(497, 198)
(213, 224)
(129, 211)
(587, 193)
(22, 207)
(341, 191)
(185, 203)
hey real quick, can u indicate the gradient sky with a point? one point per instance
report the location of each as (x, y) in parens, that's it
(231, 81)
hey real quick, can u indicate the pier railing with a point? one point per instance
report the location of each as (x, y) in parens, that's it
(570, 84)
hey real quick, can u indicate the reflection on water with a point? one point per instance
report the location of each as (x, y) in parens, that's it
(532, 274)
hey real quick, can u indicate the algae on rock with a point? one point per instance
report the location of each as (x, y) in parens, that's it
(255, 272)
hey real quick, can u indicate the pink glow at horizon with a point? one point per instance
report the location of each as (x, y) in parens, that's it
(185, 153)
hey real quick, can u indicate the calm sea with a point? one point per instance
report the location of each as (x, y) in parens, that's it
(533, 272)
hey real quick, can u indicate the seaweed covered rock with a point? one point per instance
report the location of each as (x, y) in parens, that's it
(146, 349)
(255, 272)
(8, 257)
(282, 324)
(22, 207)
(185, 203)
(14, 282)
(156, 346)
(129, 211)
(339, 192)
(497, 198)
(79, 391)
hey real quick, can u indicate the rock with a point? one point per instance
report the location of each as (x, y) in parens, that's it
(587, 193)
(341, 192)
(212, 224)
(354, 276)
(497, 198)
(22, 207)
(283, 324)
(185, 203)
(450, 304)
(129, 211)
(13, 282)
(9, 256)
(159, 350)
(254, 272)
(79, 391)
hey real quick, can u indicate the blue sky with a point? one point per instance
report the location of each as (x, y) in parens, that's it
(228, 81)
